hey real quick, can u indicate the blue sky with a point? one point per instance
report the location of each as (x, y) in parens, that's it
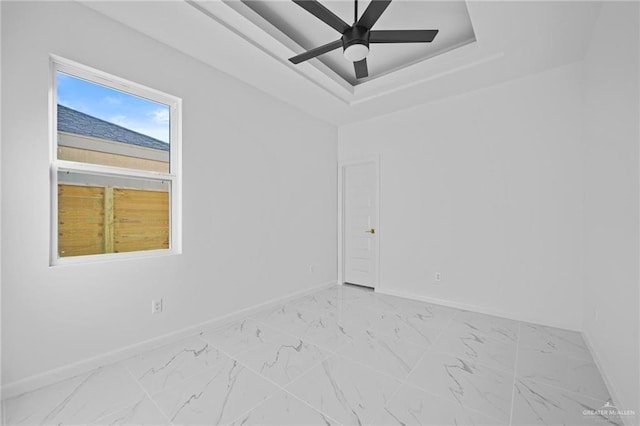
(138, 114)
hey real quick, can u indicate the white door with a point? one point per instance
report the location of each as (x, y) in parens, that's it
(360, 220)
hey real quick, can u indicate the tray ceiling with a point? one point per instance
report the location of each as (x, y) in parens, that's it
(302, 31)
(513, 39)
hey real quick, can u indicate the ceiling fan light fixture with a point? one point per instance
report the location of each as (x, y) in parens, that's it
(356, 52)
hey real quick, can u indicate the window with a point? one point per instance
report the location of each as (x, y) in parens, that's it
(115, 180)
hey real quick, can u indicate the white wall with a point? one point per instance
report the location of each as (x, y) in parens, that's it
(259, 198)
(1, 407)
(486, 189)
(611, 196)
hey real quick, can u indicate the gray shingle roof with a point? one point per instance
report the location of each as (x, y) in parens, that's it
(72, 121)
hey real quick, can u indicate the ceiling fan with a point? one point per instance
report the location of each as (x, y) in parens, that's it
(356, 38)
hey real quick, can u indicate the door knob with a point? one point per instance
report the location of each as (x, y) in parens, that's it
(371, 231)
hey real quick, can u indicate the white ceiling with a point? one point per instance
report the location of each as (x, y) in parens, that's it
(297, 28)
(513, 39)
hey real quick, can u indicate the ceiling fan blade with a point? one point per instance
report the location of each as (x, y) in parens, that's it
(361, 68)
(323, 14)
(373, 12)
(402, 36)
(316, 52)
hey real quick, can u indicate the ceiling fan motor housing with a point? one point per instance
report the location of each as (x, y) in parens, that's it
(355, 35)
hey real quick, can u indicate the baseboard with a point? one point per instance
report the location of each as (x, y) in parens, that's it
(613, 393)
(479, 309)
(53, 376)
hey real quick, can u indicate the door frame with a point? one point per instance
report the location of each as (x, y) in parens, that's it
(342, 165)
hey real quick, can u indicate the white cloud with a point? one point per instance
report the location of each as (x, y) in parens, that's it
(76, 105)
(113, 100)
(160, 115)
(120, 120)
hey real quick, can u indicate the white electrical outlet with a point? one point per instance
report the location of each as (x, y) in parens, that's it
(312, 269)
(438, 276)
(156, 306)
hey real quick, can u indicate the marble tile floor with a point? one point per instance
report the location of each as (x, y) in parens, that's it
(343, 355)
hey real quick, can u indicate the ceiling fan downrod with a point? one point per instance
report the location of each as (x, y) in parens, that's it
(355, 5)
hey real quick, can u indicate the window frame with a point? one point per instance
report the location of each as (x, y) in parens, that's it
(174, 176)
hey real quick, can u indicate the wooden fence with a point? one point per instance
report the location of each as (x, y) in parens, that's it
(98, 219)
